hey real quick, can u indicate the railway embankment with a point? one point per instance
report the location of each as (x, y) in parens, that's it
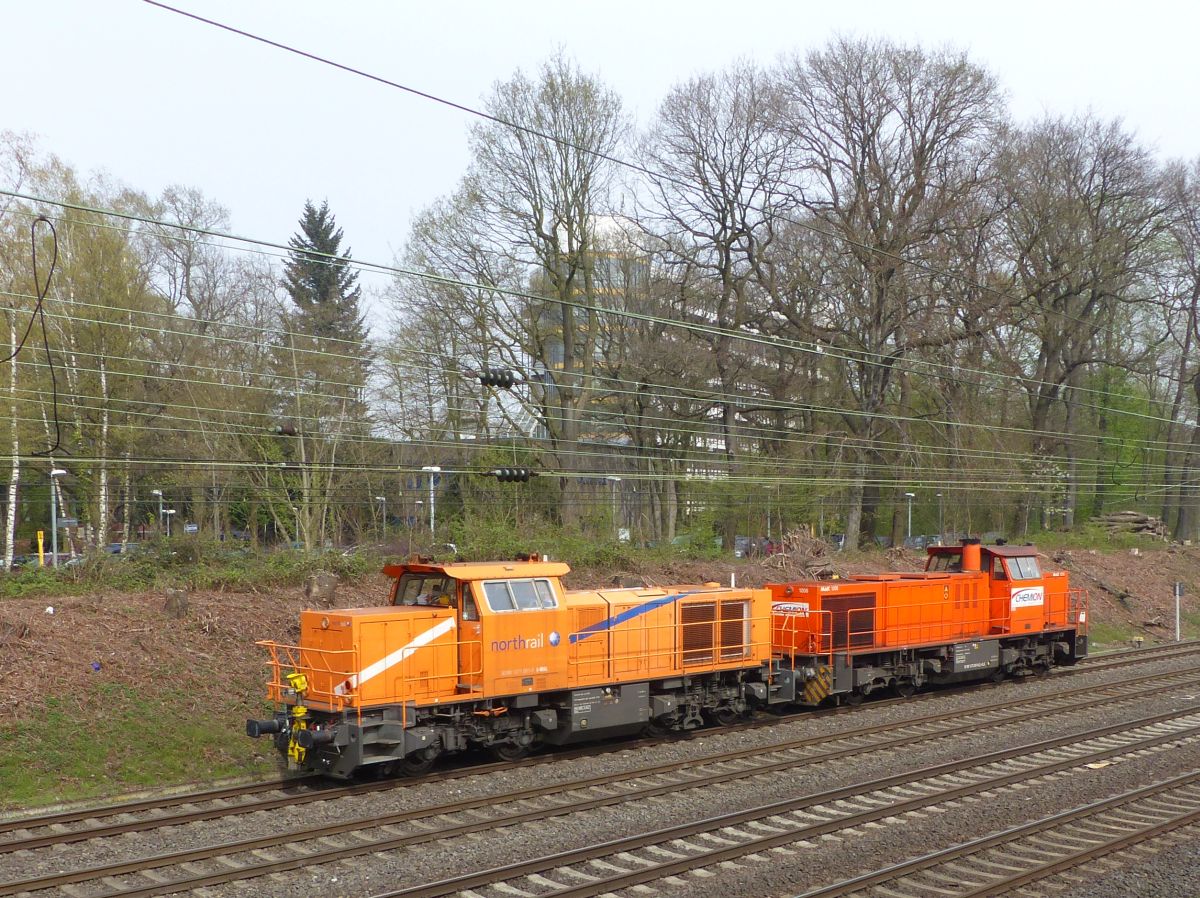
(109, 692)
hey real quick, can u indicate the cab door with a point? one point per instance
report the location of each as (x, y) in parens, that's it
(1001, 594)
(470, 646)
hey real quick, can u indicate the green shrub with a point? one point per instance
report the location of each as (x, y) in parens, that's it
(1092, 536)
(187, 562)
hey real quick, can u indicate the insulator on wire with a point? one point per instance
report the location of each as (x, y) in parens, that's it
(503, 378)
(512, 475)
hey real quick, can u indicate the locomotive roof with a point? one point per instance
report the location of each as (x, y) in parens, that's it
(1011, 551)
(1006, 551)
(484, 570)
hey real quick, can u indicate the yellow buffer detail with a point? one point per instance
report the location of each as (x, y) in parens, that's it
(816, 688)
(299, 722)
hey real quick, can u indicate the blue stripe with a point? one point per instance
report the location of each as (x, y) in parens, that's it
(638, 610)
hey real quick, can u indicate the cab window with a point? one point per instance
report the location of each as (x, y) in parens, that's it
(948, 562)
(425, 589)
(1025, 567)
(998, 572)
(519, 595)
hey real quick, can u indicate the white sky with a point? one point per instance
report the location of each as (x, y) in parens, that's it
(154, 99)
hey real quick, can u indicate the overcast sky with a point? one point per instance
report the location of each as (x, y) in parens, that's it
(155, 99)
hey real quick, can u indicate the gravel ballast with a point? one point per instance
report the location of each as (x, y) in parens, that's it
(789, 871)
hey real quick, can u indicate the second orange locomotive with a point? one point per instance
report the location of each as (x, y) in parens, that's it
(499, 656)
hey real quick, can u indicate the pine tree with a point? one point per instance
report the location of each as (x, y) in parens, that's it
(319, 280)
(328, 330)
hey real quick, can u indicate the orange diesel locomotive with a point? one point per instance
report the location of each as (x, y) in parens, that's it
(976, 612)
(499, 656)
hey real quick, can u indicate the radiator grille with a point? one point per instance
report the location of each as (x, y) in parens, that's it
(715, 631)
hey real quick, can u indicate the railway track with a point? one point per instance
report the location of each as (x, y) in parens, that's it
(35, 833)
(1017, 857)
(1137, 656)
(621, 864)
(264, 796)
(153, 813)
(485, 813)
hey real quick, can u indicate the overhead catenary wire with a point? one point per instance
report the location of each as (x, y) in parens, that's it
(833, 411)
(747, 461)
(615, 160)
(676, 423)
(948, 371)
(759, 339)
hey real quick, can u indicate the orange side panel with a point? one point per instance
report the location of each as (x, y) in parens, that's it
(882, 611)
(621, 636)
(588, 660)
(523, 651)
(360, 657)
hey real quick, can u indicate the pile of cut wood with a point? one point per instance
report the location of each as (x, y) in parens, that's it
(799, 554)
(1131, 522)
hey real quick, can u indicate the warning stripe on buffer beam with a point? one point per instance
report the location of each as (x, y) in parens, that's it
(816, 688)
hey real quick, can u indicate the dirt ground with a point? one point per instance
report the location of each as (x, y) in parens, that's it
(63, 647)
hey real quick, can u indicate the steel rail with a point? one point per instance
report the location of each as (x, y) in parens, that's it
(329, 789)
(1003, 885)
(893, 808)
(1029, 709)
(163, 885)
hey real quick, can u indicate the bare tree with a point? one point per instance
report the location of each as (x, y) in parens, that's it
(716, 191)
(891, 141)
(543, 198)
(1182, 288)
(15, 162)
(1081, 226)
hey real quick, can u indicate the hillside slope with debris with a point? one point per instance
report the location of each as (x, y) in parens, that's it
(104, 691)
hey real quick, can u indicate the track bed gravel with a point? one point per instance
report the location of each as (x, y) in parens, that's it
(781, 872)
(1170, 871)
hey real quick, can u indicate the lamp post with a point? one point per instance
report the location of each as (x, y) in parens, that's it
(168, 512)
(432, 471)
(910, 497)
(941, 521)
(296, 512)
(383, 499)
(54, 474)
(613, 481)
(160, 517)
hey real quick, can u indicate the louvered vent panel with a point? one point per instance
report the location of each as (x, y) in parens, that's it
(735, 630)
(698, 620)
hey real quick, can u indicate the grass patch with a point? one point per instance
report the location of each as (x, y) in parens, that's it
(1110, 636)
(66, 751)
(1093, 536)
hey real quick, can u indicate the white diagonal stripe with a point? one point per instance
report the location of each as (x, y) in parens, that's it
(373, 670)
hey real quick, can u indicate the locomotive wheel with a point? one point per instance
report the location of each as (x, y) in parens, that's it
(854, 699)
(1041, 670)
(904, 688)
(657, 730)
(506, 751)
(997, 675)
(415, 764)
(725, 717)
